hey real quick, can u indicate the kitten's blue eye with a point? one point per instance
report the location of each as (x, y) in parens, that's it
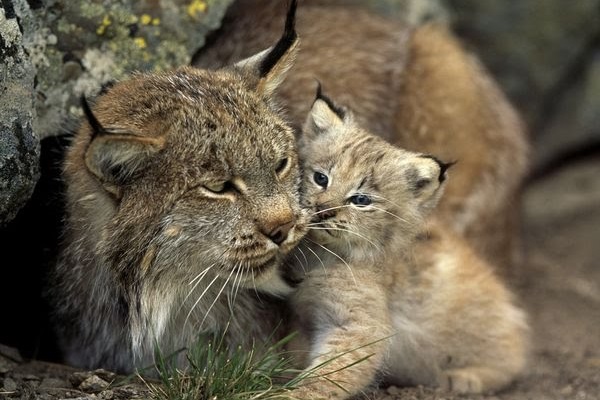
(360, 200)
(321, 179)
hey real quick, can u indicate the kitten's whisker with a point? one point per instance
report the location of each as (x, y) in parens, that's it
(392, 214)
(389, 201)
(340, 258)
(349, 231)
(330, 208)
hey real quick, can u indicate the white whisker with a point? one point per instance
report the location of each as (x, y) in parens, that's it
(331, 208)
(300, 262)
(392, 214)
(198, 299)
(201, 274)
(336, 255)
(198, 279)
(216, 298)
(316, 255)
(349, 231)
(231, 293)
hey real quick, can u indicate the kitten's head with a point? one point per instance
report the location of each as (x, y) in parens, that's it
(364, 192)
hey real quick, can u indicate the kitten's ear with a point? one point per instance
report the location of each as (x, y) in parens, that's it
(268, 68)
(114, 155)
(324, 115)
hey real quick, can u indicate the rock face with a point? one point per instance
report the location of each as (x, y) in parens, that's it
(19, 146)
(53, 52)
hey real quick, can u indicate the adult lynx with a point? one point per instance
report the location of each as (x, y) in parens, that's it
(182, 187)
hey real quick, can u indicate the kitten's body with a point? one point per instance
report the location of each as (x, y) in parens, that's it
(427, 312)
(417, 88)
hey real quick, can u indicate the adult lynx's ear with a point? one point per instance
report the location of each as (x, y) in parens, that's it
(113, 154)
(267, 69)
(324, 115)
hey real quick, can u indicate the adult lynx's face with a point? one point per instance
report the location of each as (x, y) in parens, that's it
(361, 189)
(200, 167)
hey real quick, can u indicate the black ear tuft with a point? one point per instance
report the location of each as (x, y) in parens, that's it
(339, 111)
(97, 128)
(443, 166)
(288, 38)
(106, 87)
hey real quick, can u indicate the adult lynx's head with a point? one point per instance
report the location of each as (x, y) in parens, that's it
(362, 190)
(186, 183)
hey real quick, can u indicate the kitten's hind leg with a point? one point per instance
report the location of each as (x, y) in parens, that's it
(473, 379)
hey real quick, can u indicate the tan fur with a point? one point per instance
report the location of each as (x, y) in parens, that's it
(182, 199)
(440, 319)
(414, 86)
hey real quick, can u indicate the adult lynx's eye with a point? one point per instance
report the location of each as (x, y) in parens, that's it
(321, 179)
(218, 186)
(360, 200)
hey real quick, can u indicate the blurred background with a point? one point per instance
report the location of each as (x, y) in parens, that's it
(544, 53)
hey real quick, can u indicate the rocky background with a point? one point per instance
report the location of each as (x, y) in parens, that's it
(545, 54)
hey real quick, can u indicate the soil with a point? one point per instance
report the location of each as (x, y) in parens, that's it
(558, 284)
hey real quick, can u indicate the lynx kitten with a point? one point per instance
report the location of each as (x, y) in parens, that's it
(376, 301)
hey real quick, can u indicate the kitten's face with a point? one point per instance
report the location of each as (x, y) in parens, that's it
(361, 189)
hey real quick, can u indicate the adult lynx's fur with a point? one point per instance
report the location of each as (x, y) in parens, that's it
(182, 199)
(376, 303)
(417, 88)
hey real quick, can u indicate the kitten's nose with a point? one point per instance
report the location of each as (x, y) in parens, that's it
(280, 233)
(324, 212)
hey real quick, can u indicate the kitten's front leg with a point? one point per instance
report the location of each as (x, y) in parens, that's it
(348, 340)
(347, 362)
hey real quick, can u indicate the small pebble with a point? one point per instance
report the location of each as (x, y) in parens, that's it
(9, 385)
(93, 384)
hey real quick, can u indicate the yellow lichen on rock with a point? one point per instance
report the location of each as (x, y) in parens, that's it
(195, 7)
(103, 25)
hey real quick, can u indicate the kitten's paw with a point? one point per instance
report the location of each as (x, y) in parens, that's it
(461, 380)
(307, 393)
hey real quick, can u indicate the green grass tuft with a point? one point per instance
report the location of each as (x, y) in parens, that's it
(215, 373)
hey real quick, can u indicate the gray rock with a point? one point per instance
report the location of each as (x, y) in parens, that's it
(53, 383)
(11, 353)
(530, 45)
(19, 146)
(93, 384)
(575, 121)
(9, 385)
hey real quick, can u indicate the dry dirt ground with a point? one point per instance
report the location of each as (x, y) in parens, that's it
(559, 285)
